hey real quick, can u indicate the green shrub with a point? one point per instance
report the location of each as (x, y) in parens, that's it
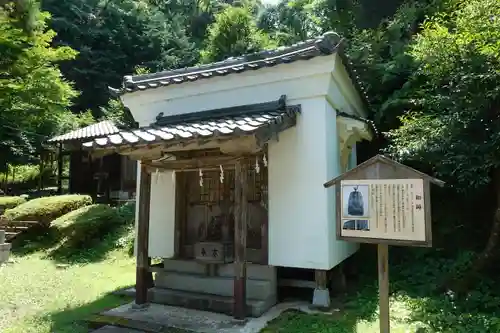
(11, 202)
(84, 226)
(47, 209)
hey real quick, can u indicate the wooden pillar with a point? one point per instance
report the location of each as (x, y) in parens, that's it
(59, 169)
(40, 167)
(240, 239)
(142, 272)
(383, 286)
(321, 294)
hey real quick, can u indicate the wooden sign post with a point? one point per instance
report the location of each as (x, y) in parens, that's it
(385, 203)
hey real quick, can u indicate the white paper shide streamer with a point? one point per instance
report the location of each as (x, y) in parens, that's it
(157, 175)
(221, 174)
(201, 178)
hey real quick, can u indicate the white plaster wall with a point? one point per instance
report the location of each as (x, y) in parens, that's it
(298, 221)
(161, 215)
(298, 80)
(338, 250)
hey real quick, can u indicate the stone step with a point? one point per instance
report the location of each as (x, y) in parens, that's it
(254, 271)
(10, 235)
(205, 302)
(214, 285)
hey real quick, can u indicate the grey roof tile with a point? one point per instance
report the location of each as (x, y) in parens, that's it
(207, 124)
(326, 44)
(102, 128)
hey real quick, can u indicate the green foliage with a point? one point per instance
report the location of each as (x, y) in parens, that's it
(288, 22)
(454, 96)
(233, 33)
(115, 111)
(84, 226)
(48, 208)
(113, 37)
(26, 175)
(33, 94)
(11, 202)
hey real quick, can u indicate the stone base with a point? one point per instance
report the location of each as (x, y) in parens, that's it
(206, 302)
(4, 252)
(321, 298)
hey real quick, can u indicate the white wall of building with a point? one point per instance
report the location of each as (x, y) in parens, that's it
(298, 226)
(161, 214)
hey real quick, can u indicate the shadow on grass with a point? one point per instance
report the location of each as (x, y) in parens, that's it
(74, 320)
(92, 250)
(36, 239)
(78, 319)
(64, 250)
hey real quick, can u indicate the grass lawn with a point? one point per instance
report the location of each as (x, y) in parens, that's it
(349, 321)
(38, 295)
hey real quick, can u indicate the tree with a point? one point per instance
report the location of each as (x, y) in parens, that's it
(288, 22)
(113, 37)
(233, 33)
(34, 97)
(453, 97)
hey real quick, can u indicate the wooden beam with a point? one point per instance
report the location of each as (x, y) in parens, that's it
(240, 239)
(142, 272)
(193, 163)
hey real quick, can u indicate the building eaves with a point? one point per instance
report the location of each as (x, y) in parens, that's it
(371, 124)
(326, 44)
(263, 120)
(99, 129)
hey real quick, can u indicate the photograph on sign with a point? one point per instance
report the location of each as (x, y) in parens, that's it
(356, 201)
(363, 225)
(383, 209)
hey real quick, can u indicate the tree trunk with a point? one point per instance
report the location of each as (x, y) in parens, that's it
(489, 253)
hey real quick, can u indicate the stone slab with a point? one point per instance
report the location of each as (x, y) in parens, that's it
(220, 304)
(214, 285)
(202, 321)
(114, 329)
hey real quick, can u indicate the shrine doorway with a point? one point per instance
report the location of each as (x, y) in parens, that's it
(207, 226)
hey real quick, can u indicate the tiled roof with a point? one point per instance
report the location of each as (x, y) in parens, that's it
(258, 119)
(326, 44)
(99, 129)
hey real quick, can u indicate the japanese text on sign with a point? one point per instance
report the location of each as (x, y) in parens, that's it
(385, 209)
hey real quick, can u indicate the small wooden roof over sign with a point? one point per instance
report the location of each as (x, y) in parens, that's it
(381, 167)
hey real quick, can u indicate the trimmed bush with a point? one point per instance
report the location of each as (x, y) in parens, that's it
(47, 209)
(87, 225)
(11, 202)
